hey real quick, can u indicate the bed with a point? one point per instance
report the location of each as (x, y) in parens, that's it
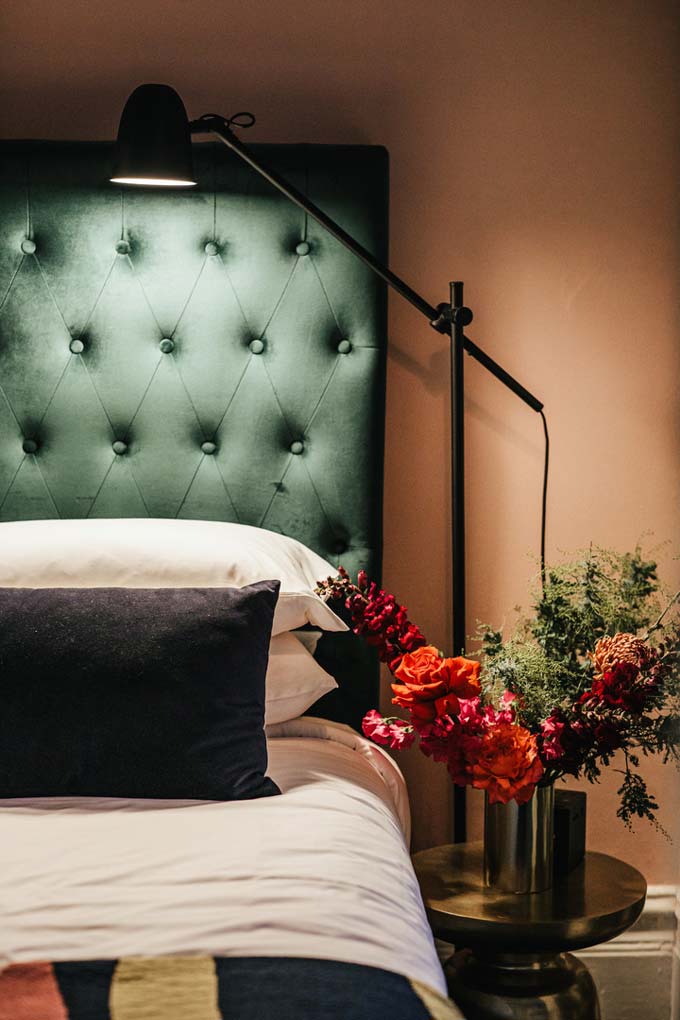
(202, 358)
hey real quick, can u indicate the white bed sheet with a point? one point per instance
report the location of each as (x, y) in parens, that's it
(322, 871)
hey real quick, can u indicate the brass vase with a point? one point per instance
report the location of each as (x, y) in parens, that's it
(518, 843)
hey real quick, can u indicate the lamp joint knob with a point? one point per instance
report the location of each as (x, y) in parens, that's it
(461, 316)
(447, 316)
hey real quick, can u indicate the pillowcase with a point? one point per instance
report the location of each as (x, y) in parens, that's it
(294, 681)
(132, 692)
(163, 553)
(309, 639)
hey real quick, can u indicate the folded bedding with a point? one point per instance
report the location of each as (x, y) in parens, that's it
(214, 988)
(136, 668)
(301, 905)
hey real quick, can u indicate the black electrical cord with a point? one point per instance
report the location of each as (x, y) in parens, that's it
(544, 498)
(242, 119)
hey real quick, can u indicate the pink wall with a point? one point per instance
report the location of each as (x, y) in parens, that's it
(535, 155)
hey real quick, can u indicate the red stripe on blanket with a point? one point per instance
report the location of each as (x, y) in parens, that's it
(29, 991)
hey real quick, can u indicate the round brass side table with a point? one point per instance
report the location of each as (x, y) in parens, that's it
(512, 959)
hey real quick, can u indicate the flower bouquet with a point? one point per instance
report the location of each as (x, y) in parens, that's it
(593, 670)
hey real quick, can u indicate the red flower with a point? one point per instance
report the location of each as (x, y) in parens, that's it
(608, 736)
(563, 740)
(435, 737)
(464, 750)
(507, 764)
(432, 685)
(619, 687)
(382, 622)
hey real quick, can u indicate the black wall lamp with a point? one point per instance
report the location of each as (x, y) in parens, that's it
(154, 140)
(154, 149)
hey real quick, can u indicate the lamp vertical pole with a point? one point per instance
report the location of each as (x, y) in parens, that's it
(458, 512)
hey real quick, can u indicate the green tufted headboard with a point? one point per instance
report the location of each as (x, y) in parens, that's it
(207, 354)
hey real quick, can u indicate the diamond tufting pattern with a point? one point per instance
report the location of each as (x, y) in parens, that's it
(207, 354)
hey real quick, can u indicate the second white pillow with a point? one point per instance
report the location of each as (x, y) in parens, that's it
(294, 680)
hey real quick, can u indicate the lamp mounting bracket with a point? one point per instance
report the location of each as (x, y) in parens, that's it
(448, 316)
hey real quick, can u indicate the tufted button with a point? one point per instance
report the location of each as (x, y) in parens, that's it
(167, 345)
(76, 347)
(256, 346)
(28, 246)
(297, 446)
(209, 447)
(119, 447)
(29, 446)
(211, 248)
(303, 248)
(340, 546)
(123, 247)
(344, 347)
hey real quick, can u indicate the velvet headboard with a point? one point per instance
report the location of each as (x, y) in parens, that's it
(207, 353)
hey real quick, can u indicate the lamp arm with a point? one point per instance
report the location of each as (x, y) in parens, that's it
(440, 317)
(449, 318)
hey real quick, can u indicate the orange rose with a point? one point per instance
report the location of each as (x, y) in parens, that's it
(431, 685)
(507, 764)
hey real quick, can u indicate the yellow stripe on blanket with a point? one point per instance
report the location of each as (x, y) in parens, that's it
(439, 1007)
(164, 988)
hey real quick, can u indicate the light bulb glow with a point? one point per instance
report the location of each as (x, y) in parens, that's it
(154, 182)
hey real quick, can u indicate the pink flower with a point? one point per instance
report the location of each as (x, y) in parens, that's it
(402, 735)
(508, 700)
(397, 734)
(552, 729)
(477, 719)
(505, 714)
(375, 727)
(469, 714)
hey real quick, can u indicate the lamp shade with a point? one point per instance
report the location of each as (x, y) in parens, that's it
(154, 141)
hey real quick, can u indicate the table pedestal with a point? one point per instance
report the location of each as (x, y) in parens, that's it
(513, 960)
(508, 986)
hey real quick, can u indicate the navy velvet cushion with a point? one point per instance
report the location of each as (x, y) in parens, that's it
(135, 692)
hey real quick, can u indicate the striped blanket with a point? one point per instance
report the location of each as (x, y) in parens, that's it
(214, 988)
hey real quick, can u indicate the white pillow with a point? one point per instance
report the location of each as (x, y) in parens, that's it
(309, 638)
(294, 680)
(162, 553)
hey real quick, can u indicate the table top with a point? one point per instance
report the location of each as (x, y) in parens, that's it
(596, 901)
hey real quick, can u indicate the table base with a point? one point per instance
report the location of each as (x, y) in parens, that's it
(526, 986)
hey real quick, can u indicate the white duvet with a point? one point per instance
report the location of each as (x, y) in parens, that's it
(322, 871)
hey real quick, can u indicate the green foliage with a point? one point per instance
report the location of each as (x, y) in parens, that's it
(636, 801)
(602, 592)
(546, 663)
(522, 666)
(545, 660)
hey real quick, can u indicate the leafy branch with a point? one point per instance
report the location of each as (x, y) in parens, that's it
(548, 663)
